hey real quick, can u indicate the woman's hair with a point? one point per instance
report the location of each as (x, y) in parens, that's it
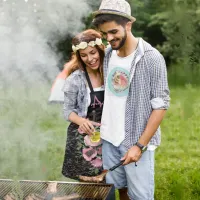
(76, 61)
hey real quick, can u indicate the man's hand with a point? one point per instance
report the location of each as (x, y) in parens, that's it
(133, 155)
(87, 126)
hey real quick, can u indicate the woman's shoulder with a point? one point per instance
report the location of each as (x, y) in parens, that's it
(77, 73)
(74, 80)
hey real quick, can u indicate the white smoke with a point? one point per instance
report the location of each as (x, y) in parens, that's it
(27, 27)
(30, 129)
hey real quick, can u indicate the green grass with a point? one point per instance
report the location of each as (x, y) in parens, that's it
(33, 135)
(178, 158)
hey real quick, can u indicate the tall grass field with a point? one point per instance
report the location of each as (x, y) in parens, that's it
(33, 135)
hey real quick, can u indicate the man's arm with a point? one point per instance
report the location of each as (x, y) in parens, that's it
(155, 120)
(134, 153)
(159, 102)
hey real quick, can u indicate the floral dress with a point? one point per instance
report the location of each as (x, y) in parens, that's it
(83, 157)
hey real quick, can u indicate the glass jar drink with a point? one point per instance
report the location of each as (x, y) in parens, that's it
(95, 137)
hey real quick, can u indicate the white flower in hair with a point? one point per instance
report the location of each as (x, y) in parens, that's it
(82, 45)
(91, 43)
(74, 48)
(98, 41)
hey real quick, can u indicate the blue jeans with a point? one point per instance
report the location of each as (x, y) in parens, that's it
(139, 179)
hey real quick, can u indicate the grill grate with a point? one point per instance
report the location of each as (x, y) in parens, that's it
(86, 191)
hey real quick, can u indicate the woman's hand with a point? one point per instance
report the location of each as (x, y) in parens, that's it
(87, 126)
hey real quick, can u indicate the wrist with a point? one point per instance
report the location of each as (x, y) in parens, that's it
(141, 147)
(82, 121)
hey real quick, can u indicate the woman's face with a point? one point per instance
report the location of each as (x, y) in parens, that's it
(90, 56)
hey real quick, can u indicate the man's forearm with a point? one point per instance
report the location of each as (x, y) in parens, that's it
(155, 120)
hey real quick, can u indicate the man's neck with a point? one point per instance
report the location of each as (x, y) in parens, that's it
(129, 46)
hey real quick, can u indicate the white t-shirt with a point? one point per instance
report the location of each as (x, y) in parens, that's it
(116, 92)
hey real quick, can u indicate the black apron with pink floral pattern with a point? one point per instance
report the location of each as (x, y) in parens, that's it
(82, 157)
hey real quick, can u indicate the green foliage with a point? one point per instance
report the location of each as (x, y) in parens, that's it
(142, 17)
(172, 27)
(179, 23)
(142, 11)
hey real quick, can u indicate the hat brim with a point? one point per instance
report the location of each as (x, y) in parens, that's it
(99, 12)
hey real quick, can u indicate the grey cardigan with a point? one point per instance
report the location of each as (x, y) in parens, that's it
(75, 94)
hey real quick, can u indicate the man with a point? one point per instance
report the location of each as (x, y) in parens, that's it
(136, 99)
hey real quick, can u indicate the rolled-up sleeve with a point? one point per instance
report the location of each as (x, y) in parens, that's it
(160, 98)
(70, 90)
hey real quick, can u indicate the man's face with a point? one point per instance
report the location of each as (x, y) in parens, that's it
(115, 34)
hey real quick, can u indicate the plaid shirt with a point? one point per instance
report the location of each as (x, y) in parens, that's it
(148, 90)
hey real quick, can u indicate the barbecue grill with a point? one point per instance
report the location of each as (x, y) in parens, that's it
(85, 191)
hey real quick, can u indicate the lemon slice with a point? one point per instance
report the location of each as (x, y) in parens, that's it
(95, 137)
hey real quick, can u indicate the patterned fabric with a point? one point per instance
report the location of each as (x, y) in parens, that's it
(148, 90)
(82, 157)
(117, 7)
(75, 94)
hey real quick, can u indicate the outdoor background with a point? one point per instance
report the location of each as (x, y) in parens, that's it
(35, 42)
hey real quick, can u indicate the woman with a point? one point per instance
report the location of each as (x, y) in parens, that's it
(83, 97)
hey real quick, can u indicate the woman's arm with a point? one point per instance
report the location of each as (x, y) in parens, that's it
(71, 89)
(85, 125)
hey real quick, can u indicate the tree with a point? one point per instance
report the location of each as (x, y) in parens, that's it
(179, 23)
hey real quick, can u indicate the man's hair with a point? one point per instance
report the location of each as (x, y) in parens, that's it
(103, 18)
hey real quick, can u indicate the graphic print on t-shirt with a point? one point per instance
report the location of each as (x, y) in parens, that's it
(118, 81)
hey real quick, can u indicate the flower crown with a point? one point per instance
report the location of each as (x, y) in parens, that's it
(84, 45)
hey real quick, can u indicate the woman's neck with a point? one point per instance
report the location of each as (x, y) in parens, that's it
(92, 72)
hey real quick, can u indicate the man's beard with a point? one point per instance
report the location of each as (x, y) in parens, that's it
(121, 44)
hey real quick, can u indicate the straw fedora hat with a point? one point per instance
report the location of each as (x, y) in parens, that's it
(115, 7)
